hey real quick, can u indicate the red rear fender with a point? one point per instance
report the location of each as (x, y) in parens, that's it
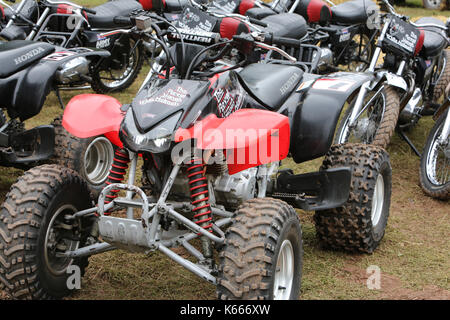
(90, 115)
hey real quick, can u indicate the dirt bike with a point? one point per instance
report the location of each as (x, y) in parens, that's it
(202, 179)
(69, 25)
(413, 77)
(435, 159)
(18, 18)
(30, 70)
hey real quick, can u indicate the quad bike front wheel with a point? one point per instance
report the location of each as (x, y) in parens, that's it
(435, 163)
(360, 223)
(91, 157)
(35, 231)
(263, 254)
(375, 124)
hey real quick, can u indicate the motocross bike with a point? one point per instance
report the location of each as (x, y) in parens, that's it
(30, 70)
(435, 159)
(413, 76)
(17, 18)
(69, 25)
(194, 188)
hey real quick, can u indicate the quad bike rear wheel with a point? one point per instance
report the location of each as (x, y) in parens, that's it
(360, 223)
(262, 256)
(435, 163)
(91, 157)
(376, 124)
(34, 231)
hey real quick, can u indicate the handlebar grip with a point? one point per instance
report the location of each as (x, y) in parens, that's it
(257, 22)
(89, 10)
(126, 21)
(285, 42)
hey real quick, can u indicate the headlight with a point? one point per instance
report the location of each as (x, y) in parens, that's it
(156, 140)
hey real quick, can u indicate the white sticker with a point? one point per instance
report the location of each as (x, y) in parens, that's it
(333, 84)
(57, 56)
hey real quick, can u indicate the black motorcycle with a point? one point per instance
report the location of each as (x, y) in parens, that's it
(69, 25)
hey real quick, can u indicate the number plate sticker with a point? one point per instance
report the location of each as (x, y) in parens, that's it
(333, 84)
(57, 56)
(401, 36)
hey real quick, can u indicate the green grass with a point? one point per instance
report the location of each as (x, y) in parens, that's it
(413, 256)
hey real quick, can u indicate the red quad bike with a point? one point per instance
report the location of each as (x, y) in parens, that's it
(211, 142)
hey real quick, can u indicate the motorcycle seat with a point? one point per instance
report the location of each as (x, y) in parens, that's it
(105, 13)
(19, 54)
(434, 41)
(287, 25)
(351, 11)
(270, 84)
(259, 13)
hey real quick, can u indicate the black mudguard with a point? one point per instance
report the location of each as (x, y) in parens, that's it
(315, 119)
(23, 94)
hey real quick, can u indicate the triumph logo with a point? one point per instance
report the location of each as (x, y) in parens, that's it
(28, 55)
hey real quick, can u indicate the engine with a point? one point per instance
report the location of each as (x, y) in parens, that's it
(229, 190)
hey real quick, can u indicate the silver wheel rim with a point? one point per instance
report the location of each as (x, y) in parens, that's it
(58, 265)
(284, 272)
(438, 165)
(98, 160)
(433, 3)
(345, 133)
(377, 200)
(127, 71)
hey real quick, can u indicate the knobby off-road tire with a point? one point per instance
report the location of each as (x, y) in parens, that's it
(433, 188)
(444, 79)
(91, 157)
(386, 127)
(261, 229)
(99, 86)
(42, 195)
(358, 225)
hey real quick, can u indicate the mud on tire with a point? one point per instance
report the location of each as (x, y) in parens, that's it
(71, 152)
(27, 270)
(248, 260)
(357, 225)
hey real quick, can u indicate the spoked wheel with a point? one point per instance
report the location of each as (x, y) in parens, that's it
(360, 52)
(435, 163)
(37, 230)
(91, 158)
(263, 254)
(376, 122)
(117, 77)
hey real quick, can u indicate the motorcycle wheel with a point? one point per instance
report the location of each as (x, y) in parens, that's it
(444, 77)
(34, 228)
(112, 80)
(376, 124)
(91, 158)
(363, 43)
(435, 163)
(263, 254)
(434, 4)
(360, 223)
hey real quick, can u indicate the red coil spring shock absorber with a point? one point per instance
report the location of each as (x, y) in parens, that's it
(198, 187)
(117, 173)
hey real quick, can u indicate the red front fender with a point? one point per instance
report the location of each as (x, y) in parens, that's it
(251, 137)
(90, 115)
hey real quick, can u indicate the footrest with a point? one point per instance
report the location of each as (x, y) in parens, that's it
(314, 191)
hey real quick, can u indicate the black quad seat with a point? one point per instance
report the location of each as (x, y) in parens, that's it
(287, 25)
(105, 13)
(270, 84)
(19, 54)
(351, 11)
(434, 41)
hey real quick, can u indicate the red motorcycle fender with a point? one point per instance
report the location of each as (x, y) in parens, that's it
(90, 115)
(250, 137)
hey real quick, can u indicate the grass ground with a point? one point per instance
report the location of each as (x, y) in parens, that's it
(413, 256)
